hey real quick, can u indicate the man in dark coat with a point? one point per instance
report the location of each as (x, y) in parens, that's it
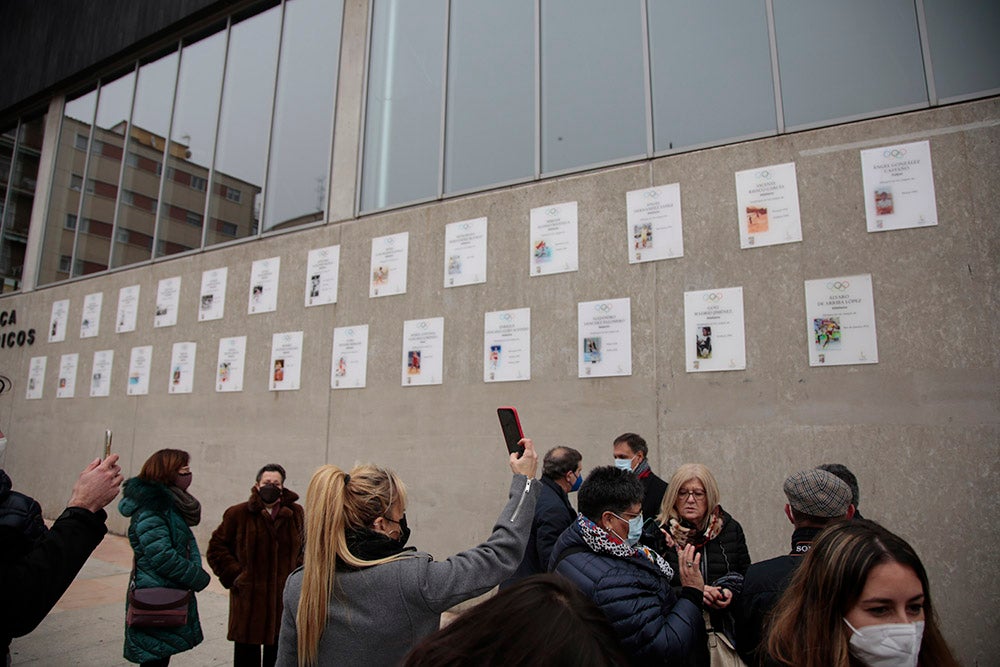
(253, 551)
(631, 453)
(561, 475)
(815, 499)
(38, 565)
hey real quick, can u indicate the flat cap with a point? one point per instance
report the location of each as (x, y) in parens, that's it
(817, 493)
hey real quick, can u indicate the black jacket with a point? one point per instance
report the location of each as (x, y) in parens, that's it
(36, 572)
(553, 515)
(654, 490)
(762, 586)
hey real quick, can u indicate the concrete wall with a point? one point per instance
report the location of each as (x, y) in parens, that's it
(920, 428)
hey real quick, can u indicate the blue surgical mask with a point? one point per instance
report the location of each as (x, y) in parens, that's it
(577, 483)
(634, 529)
(624, 464)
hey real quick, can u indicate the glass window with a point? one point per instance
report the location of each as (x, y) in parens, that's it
(711, 72)
(67, 183)
(490, 135)
(154, 92)
(192, 139)
(80, 142)
(844, 59)
(303, 114)
(403, 113)
(241, 148)
(114, 104)
(593, 99)
(20, 149)
(965, 51)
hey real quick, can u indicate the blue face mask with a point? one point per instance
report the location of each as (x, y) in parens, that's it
(577, 483)
(624, 464)
(634, 529)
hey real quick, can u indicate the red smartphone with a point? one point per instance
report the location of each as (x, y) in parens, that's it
(512, 432)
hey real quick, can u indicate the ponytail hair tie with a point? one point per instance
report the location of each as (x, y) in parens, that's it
(347, 478)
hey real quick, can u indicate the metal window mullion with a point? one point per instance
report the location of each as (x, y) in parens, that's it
(215, 142)
(158, 215)
(121, 168)
(444, 99)
(333, 120)
(270, 125)
(83, 182)
(779, 111)
(925, 50)
(647, 70)
(359, 180)
(5, 204)
(538, 89)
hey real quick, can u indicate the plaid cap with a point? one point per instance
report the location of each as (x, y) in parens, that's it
(817, 493)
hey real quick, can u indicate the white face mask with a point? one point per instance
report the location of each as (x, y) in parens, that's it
(888, 645)
(624, 464)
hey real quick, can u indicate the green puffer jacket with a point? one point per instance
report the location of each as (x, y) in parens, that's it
(166, 554)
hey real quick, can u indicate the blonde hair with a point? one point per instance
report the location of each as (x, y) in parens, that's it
(685, 474)
(337, 502)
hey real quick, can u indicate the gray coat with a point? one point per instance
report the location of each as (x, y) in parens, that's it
(376, 615)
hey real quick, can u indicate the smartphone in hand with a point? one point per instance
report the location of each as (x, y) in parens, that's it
(107, 443)
(511, 427)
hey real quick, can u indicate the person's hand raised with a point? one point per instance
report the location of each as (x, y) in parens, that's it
(689, 564)
(527, 463)
(97, 485)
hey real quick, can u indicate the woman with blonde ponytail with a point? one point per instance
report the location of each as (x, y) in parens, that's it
(363, 597)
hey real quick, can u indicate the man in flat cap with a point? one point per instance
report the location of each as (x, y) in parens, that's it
(816, 498)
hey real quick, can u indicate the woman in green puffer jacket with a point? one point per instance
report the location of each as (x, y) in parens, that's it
(166, 554)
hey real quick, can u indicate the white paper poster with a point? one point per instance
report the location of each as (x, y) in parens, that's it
(58, 321)
(714, 331)
(128, 309)
(66, 387)
(768, 202)
(212, 302)
(232, 360)
(168, 297)
(286, 361)
(388, 265)
(899, 187)
(465, 253)
(604, 338)
(653, 224)
(507, 345)
(182, 368)
(100, 374)
(36, 377)
(264, 285)
(423, 351)
(90, 320)
(350, 357)
(138, 370)
(554, 239)
(840, 314)
(322, 271)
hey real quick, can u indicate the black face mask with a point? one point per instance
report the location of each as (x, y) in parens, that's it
(269, 493)
(404, 531)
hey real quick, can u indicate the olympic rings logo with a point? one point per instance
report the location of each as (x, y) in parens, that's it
(422, 324)
(652, 194)
(838, 285)
(350, 332)
(713, 297)
(764, 174)
(465, 227)
(603, 308)
(390, 240)
(553, 210)
(894, 152)
(506, 317)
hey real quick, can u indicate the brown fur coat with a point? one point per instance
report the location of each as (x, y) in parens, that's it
(253, 554)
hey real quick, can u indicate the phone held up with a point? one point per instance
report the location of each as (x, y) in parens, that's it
(107, 443)
(511, 426)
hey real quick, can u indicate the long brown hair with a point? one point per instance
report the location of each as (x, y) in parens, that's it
(807, 629)
(334, 505)
(163, 465)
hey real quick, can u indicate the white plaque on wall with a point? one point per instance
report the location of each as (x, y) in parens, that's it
(465, 253)
(388, 265)
(507, 345)
(286, 361)
(90, 319)
(58, 321)
(653, 224)
(350, 357)
(232, 360)
(604, 338)
(138, 370)
(322, 269)
(100, 374)
(714, 334)
(168, 296)
(182, 368)
(264, 285)
(554, 239)
(66, 387)
(128, 309)
(36, 377)
(899, 187)
(768, 203)
(212, 301)
(423, 351)
(840, 320)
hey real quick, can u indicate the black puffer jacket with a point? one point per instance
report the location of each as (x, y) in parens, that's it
(20, 515)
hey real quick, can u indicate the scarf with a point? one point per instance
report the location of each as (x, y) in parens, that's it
(684, 532)
(366, 544)
(187, 506)
(600, 541)
(642, 470)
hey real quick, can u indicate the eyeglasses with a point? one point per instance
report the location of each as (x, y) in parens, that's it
(697, 494)
(627, 518)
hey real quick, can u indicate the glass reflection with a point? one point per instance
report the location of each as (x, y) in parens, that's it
(93, 238)
(403, 116)
(303, 114)
(491, 94)
(241, 151)
(17, 196)
(593, 99)
(964, 46)
(136, 224)
(67, 187)
(192, 139)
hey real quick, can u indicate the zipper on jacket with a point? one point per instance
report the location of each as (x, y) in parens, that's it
(524, 494)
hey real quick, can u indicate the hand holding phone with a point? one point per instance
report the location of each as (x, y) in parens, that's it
(511, 426)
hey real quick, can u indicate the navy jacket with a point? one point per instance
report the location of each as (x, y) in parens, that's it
(553, 515)
(651, 623)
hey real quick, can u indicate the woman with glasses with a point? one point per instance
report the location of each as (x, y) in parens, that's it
(363, 597)
(690, 515)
